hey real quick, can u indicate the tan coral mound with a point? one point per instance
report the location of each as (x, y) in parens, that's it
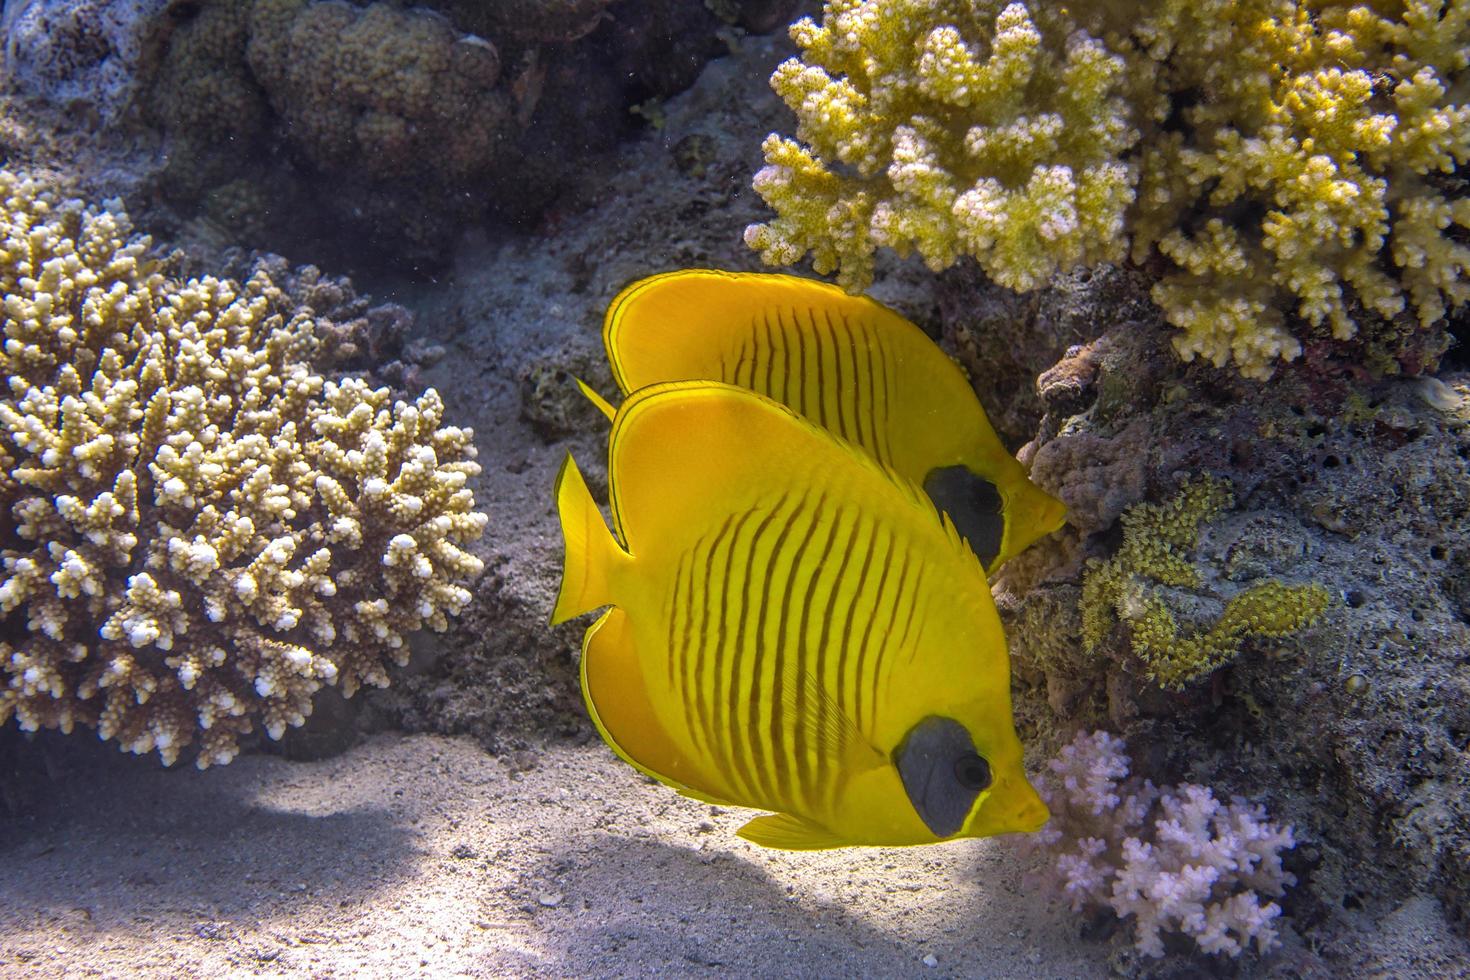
(201, 531)
(397, 92)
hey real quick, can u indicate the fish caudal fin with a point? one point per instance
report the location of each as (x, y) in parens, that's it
(601, 404)
(591, 550)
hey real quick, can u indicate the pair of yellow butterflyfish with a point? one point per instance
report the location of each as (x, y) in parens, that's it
(806, 495)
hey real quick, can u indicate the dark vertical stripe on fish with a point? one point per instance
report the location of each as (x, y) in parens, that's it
(805, 676)
(783, 768)
(818, 355)
(715, 727)
(675, 611)
(885, 639)
(770, 356)
(701, 597)
(684, 587)
(829, 614)
(848, 640)
(879, 591)
(879, 432)
(764, 764)
(803, 385)
(742, 749)
(853, 403)
(840, 392)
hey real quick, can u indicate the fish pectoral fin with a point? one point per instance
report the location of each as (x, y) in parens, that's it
(832, 732)
(601, 404)
(789, 833)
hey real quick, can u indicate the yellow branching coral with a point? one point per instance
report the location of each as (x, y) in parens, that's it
(201, 531)
(1157, 548)
(1282, 155)
(947, 128)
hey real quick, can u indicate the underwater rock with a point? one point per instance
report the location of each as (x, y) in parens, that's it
(80, 51)
(1353, 728)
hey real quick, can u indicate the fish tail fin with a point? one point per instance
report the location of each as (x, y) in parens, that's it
(591, 550)
(601, 404)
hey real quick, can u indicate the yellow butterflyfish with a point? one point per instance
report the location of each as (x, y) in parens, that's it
(795, 628)
(848, 363)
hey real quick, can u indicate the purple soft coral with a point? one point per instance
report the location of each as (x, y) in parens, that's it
(1174, 859)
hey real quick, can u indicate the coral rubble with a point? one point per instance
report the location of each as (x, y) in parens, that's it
(1289, 163)
(205, 531)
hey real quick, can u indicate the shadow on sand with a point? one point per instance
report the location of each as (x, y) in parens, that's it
(113, 840)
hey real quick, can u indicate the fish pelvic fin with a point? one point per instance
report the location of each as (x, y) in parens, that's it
(601, 404)
(789, 833)
(592, 553)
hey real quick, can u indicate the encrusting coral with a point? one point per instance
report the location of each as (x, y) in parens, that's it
(203, 530)
(398, 92)
(1286, 158)
(1158, 540)
(1176, 860)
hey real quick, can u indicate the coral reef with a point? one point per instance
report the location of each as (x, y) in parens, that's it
(1355, 725)
(1158, 540)
(205, 530)
(85, 52)
(1175, 860)
(1289, 163)
(390, 92)
(371, 134)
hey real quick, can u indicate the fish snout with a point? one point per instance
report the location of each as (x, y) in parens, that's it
(1012, 808)
(1033, 813)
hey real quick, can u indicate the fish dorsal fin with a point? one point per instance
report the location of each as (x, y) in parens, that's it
(789, 833)
(601, 404)
(617, 699)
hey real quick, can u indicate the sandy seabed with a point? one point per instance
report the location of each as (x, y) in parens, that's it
(423, 856)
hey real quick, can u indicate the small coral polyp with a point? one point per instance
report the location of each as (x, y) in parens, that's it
(205, 531)
(1289, 160)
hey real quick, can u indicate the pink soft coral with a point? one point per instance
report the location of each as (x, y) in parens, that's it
(1174, 859)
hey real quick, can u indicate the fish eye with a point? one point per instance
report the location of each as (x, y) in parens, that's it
(972, 771)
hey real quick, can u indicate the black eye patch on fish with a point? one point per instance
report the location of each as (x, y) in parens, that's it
(973, 504)
(941, 772)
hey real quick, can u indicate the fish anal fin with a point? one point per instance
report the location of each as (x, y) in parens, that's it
(614, 687)
(788, 833)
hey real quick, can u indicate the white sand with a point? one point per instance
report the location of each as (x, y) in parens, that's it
(423, 856)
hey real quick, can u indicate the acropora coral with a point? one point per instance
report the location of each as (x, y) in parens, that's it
(1286, 159)
(1157, 549)
(202, 531)
(1175, 859)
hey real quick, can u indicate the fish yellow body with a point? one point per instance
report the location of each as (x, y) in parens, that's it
(794, 628)
(847, 363)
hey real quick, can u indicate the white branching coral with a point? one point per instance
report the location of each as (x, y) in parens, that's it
(1175, 860)
(201, 531)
